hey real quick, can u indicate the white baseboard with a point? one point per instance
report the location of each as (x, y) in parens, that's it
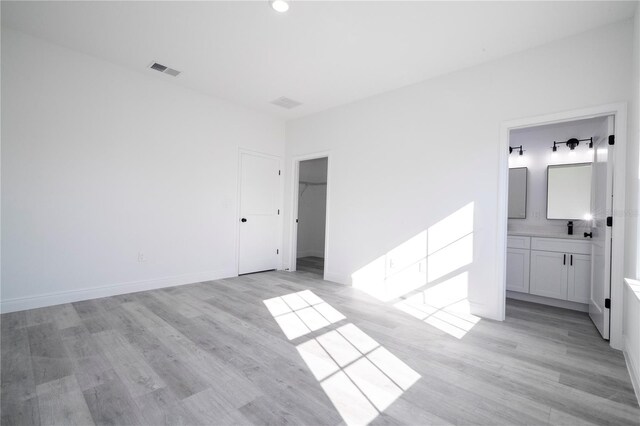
(337, 278)
(634, 372)
(548, 301)
(481, 310)
(50, 299)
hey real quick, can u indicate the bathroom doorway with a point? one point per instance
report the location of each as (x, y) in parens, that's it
(311, 215)
(562, 249)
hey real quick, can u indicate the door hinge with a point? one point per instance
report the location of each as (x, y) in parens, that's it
(277, 251)
(609, 220)
(612, 139)
(607, 303)
(279, 172)
(278, 211)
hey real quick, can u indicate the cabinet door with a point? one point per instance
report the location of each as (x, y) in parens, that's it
(549, 274)
(579, 278)
(518, 270)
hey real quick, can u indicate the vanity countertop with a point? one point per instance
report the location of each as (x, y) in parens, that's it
(543, 235)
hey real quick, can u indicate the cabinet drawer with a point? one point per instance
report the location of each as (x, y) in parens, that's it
(518, 242)
(561, 245)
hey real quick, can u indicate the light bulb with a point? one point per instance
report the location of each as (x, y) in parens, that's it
(280, 5)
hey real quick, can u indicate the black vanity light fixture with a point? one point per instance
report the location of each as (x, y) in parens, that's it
(519, 148)
(572, 143)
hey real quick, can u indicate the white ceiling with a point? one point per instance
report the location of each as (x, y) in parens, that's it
(322, 54)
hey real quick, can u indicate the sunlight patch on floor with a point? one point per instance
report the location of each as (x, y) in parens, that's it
(444, 306)
(301, 313)
(360, 377)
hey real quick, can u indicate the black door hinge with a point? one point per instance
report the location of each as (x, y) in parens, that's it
(609, 220)
(278, 211)
(277, 251)
(279, 172)
(612, 139)
(607, 303)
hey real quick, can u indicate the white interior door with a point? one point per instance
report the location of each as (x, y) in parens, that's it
(601, 202)
(259, 213)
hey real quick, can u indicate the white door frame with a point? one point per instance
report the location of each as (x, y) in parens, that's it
(295, 178)
(619, 111)
(239, 200)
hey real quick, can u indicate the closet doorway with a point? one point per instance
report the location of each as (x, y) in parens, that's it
(311, 215)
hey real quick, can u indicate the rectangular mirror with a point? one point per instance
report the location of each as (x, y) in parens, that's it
(569, 191)
(518, 193)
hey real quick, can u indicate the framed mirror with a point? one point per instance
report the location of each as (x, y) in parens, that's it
(518, 193)
(569, 191)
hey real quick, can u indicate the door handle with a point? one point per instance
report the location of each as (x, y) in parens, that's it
(571, 260)
(244, 219)
(564, 259)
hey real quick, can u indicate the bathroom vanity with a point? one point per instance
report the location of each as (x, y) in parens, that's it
(552, 270)
(547, 262)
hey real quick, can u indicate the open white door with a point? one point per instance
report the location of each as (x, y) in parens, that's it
(259, 213)
(601, 207)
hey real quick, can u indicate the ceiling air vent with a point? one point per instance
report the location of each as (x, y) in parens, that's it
(164, 69)
(286, 103)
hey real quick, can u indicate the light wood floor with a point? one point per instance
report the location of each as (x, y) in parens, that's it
(310, 264)
(215, 353)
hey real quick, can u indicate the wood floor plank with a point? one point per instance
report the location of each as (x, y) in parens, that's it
(17, 381)
(13, 321)
(111, 404)
(49, 358)
(136, 375)
(25, 412)
(90, 366)
(161, 407)
(207, 407)
(61, 402)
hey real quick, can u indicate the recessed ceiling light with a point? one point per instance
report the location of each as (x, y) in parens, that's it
(280, 5)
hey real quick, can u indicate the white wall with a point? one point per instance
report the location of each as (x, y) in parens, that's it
(312, 203)
(100, 164)
(537, 143)
(631, 313)
(405, 160)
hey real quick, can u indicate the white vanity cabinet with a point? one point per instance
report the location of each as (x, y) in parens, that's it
(518, 264)
(561, 269)
(555, 268)
(579, 278)
(549, 274)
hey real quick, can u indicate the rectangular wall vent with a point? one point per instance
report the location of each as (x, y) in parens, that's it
(164, 69)
(286, 103)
